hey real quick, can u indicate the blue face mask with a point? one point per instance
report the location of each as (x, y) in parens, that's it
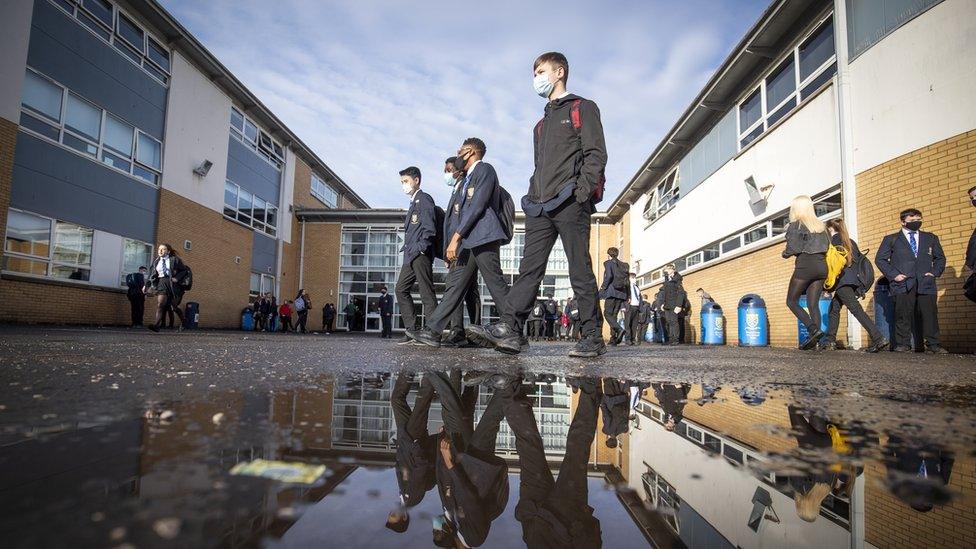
(542, 85)
(438, 522)
(449, 179)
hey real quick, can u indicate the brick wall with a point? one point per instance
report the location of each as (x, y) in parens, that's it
(220, 284)
(291, 256)
(890, 522)
(762, 272)
(603, 236)
(933, 179)
(8, 145)
(321, 277)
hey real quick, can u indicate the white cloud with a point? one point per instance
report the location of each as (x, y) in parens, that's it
(374, 87)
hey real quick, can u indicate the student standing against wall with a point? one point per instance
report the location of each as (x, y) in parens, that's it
(807, 240)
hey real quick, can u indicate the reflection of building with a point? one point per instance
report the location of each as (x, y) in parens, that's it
(363, 419)
(370, 258)
(864, 105)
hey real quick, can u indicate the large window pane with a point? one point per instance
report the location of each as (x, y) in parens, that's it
(236, 119)
(750, 111)
(135, 254)
(72, 243)
(83, 118)
(780, 84)
(145, 175)
(118, 135)
(116, 161)
(101, 9)
(148, 152)
(24, 265)
(244, 207)
(259, 208)
(230, 199)
(817, 49)
(28, 234)
(80, 144)
(250, 131)
(272, 219)
(131, 33)
(70, 272)
(158, 55)
(39, 126)
(42, 96)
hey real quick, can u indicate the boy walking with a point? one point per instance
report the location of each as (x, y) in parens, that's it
(570, 158)
(418, 251)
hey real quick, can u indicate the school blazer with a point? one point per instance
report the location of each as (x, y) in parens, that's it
(895, 257)
(477, 208)
(615, 271)
(420, 227)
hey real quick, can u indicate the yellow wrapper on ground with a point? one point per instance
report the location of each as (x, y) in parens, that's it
(282, 471)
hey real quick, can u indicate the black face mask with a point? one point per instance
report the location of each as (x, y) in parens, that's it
(973, 201)
(460, 163)
(913, 225)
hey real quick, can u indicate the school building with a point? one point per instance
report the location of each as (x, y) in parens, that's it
(864, 106)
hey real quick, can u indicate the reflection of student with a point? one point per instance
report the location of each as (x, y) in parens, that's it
(556, 513)
(918, 473)
(615, 408)
(815, 434)
(471, 479)
(415, 448)
(672, 398)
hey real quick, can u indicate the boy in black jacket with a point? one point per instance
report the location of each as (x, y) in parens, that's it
(570, 158)
(420, 230)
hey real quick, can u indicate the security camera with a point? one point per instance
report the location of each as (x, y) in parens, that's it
(203, 169)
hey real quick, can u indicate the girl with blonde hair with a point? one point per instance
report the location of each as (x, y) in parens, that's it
(807, 240)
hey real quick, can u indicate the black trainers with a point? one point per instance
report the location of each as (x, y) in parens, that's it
(812, 340)
(499, 335)
(877, 346)
(454, 338)
(589, 348)
(475, 378)
(935, 350)
(405, 340)
(426, 336)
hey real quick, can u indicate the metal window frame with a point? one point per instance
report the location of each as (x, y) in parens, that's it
(240, 134)
(49, 260)
(122, 256)
(264, 227)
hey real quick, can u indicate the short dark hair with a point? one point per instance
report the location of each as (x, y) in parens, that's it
(555, 59)
(909, 212)
(450, 160)
(476, 144)
(613, 252)
(141, 267)
(971, 189)
(700, 290)
(633, 274)
(401, 525)
(611, 442)
(412, 171)
(383, 289)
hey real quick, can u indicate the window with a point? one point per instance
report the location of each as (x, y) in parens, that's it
(870, 22)
(41, 96)
(135, 254)
(158, 54)
(755, 235)
(801, 73)
(131, 33)
(250, 209)
(28, 247)
(731, 244)
(100, 9)
(260, 284)
(693, 259)
(247, 132)
(662, 197)
(88, 129)
(325, 193)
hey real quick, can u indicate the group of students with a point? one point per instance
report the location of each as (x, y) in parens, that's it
(553, 321)
(568, 181)
(270, 317)
(167, 279)
(827, 259)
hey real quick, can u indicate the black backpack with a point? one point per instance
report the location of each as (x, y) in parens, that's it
(865, 274)
(439, 243)
(621, 276)
(551, 307)
(507, 214)
(186, 281)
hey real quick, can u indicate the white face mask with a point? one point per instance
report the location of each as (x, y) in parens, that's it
(542, 85)
(449, 179)
(407, 188)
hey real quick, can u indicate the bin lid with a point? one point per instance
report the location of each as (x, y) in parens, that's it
(752, 301)
(711, 306)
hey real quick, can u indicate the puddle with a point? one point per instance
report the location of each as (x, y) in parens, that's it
(540, 460)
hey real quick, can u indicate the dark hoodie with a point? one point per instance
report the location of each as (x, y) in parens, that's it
(567, 161)
(674, 293)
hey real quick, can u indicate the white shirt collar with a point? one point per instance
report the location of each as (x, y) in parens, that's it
(471, 169)
(908, 232)
(560, 96)
(414, 195)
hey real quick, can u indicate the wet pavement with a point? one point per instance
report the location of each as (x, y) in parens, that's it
(124, 438)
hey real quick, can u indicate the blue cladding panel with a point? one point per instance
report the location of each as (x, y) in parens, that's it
(52, 181)
(709, 154)
(63, 49)
(252, 172)
(263, 250)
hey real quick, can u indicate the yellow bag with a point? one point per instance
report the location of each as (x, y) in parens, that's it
(836, 262)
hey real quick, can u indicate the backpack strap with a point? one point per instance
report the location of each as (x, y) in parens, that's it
(574, 115)
(538, 127)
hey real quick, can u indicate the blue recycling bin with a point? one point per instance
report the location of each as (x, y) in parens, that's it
(753, 322)
(802, 332)
(191, 315)
(247, 319)
(712, 324)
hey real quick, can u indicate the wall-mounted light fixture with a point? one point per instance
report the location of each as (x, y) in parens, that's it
(204, 168)
(761, 501)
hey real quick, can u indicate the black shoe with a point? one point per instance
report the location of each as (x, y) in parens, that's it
(524, 342)
(902, 349)
(812, 340)
(500, 335)
(589, 348)
(455, 338)
(503, 382)
(478, 334)
(405, 340)
(153, 327)
(827, 345)
(475, 378)
(426, 336)
(877, 346)
(935, 350)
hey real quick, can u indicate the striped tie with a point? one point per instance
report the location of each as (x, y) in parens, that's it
(913, 242)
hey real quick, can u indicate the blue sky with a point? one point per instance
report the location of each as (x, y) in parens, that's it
(375, 86)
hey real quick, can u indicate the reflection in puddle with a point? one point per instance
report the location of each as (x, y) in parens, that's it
(404, 460)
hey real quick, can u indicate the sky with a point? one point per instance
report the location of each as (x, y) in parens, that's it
(374, 86)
